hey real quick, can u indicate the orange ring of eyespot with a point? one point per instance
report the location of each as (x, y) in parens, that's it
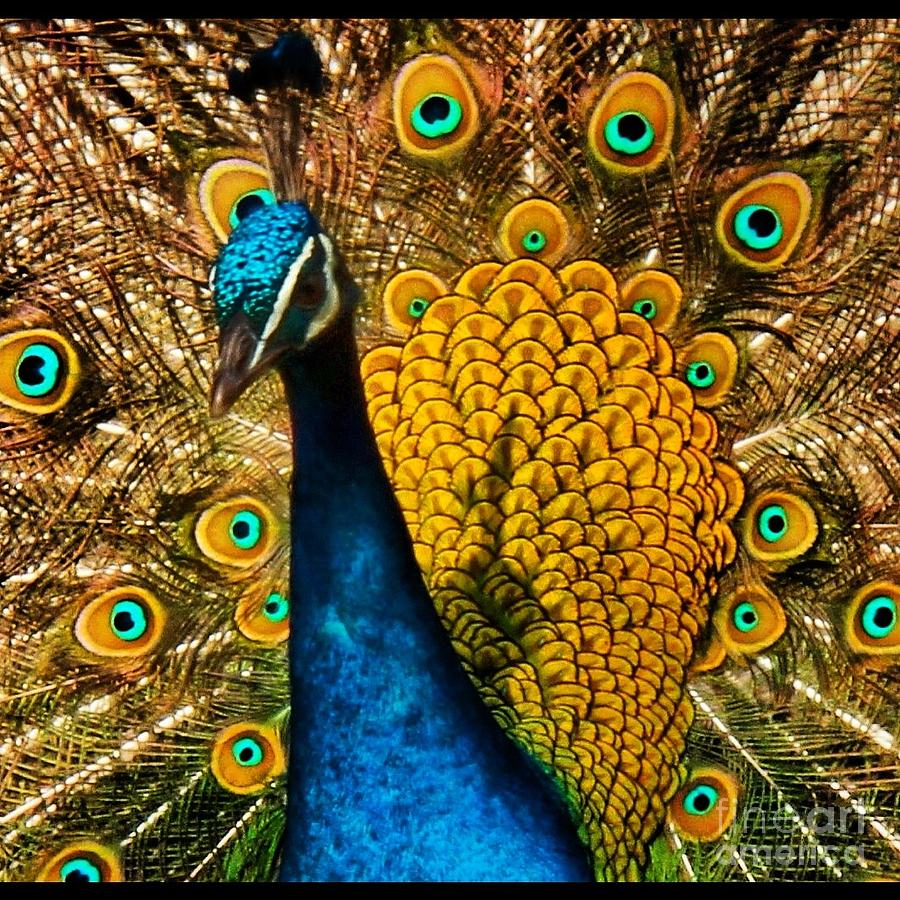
(94, 633)
(211, 532)
(12, 346)
(252, 622)
(402, 289)
(718, 351)
(661, 288)
(246, 779)
(221, 184)
(529, 215)
(589, 275)
(771, 625)
(475, 280)
(713, 824)
(803, 528)
(710, 658)
(105, 858)
(424, 75)
(789, 195)
(856, 637)
(644, 93)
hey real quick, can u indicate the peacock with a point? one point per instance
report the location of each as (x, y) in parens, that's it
(449, 450)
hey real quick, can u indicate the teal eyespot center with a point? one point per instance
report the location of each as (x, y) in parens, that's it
(700, 800)
(745, 617)
(534, 241)
(128, 620)
(37, 370)
(700, 374)
(758, 227)
(436, 115)
(629, 132)
(772, 523)
(247, 752)
(245, 529)
(645, 307)
(417, 307)
(276, 607)
(247, 202)
(879, 617)
(79, 869)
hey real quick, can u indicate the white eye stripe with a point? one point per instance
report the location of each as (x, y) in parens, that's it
(284, 298)
(212, 276)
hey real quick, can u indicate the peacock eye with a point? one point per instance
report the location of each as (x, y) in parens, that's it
(79, 870)
(710, 365)
(39, 370)
(240, 532)
(435, 109)
(632, 125)
(645, 307)
(629, 132)
(705, 807)
(700, 374)
(247, 202)
(122, 622)
(761, 223)
(534, 227)
(247, 752)
(128, 620)
(407, 296)
(700, 800)
(745, 617)
(772, 523)
(82, 862)
(246, 756)
(758, 227)
(245, 529)
(779, 526)
(263, 615)
(871, 619)
(436, 115)
(750, 621)
(276, 607)
(654, 295)
(229, 190)
(417, 307)
(879, 617)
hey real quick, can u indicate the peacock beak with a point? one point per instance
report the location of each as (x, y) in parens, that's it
(242, 359)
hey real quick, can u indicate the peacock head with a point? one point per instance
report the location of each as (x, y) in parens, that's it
(277, 284)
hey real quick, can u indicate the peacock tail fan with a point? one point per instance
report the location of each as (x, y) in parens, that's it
(629, 341)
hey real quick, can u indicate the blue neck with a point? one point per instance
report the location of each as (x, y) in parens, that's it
(397, 771)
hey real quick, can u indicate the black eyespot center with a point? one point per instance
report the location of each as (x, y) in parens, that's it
(883, 617)
(702, 371)
(763, 222)
(241, 529)
(247, 204)
(246, 754)
(631, 127)
(76, 876)
(30, 370)
(435, 109)
(777, 523)
(702, 802)
(123, 621)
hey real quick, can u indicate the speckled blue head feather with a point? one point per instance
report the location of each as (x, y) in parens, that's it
(254, 263)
